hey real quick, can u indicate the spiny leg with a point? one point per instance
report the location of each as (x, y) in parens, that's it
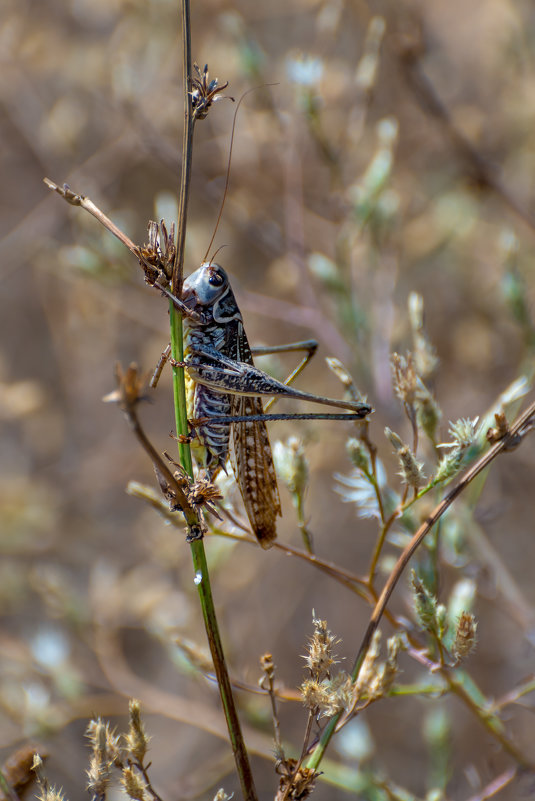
(240, 378)
(310, 347)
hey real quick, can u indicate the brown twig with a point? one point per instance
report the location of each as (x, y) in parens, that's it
(518, 429)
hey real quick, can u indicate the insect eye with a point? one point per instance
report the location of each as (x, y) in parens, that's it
(216, 279)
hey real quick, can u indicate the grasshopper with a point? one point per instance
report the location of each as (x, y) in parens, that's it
(224, 391)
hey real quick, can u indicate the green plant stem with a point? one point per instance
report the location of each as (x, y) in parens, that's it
(460, 684)
(202, 576)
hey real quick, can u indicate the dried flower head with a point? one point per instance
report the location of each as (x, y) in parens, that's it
(292, 464)
(465, 636)
(449, 466)
(221, 795)
(134, 785)
(425, 604)
(358, 453)
(130, 388)
(295, 784)
(46, 791)
(411, 469)
(464, 432)
(366, 73)
(327, 697)
(404, 378)
(390, 668)
(17, 769)
(428, 412)
(498, 431)
(267, 665)
(320, 655)
(202, 493)
(136, 739)
(205, 92)
(368, 671)
(157, 257)
(343, 375)
(425, 358)
(105, 753)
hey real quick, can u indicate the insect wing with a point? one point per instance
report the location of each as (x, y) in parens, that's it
(252, 463)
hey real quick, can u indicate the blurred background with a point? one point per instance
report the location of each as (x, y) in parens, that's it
(388, 150)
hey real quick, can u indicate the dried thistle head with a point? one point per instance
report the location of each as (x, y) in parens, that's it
(320, 655)
(136, 739)
(205, 92)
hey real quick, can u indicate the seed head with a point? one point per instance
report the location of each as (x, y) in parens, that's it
(411, 470)
(425, 604)
(465, 636)
(133, 784)
(136, 740)
(358, 454)
(368, 670)
(205, 92)
(320, 655)
(404, 378)
(105, 753)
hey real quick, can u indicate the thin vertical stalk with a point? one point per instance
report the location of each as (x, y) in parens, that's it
(202, 576)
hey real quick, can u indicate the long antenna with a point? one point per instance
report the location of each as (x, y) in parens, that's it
(227, 179)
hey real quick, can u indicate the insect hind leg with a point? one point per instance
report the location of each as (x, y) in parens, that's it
(309, 346)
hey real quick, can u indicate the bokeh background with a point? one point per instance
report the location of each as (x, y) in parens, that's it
(388, 150)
